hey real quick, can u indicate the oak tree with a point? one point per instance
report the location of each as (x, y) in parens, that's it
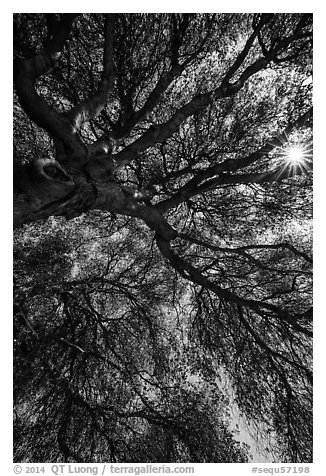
(162, 199)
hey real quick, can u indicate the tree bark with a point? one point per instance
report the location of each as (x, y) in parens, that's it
(40, 196)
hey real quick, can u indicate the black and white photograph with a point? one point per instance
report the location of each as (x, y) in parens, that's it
(162, 243)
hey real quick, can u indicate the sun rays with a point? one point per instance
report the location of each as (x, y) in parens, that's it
(294, 158)
(295, 155)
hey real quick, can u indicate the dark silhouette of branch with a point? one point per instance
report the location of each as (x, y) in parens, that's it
(189, 272)
(93, 105)
(26, 72)
(224, 169)
(243, 249)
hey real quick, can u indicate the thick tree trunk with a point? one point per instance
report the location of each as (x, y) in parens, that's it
(38, 195)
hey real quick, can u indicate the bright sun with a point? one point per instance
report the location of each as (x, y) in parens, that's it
(295, 155)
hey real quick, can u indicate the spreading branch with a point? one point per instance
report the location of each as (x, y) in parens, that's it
(193, 274)
(244, 249)
(223, 170)
(26, 73)
(94, 104)
(160, 132)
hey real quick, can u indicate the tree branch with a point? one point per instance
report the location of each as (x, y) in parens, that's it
(154, 97)
(26, 72)
(93, 105)
(276, 175)
(160, 132)
(164, 81)
(243, 249)
(265, 18)
(272, 353)
(189, 272)
(223, 169)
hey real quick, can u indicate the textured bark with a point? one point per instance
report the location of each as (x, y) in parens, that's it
(37, 197)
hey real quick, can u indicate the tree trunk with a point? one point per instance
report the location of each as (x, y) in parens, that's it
(47, 190)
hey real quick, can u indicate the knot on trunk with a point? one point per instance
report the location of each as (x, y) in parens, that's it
(51, 170)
